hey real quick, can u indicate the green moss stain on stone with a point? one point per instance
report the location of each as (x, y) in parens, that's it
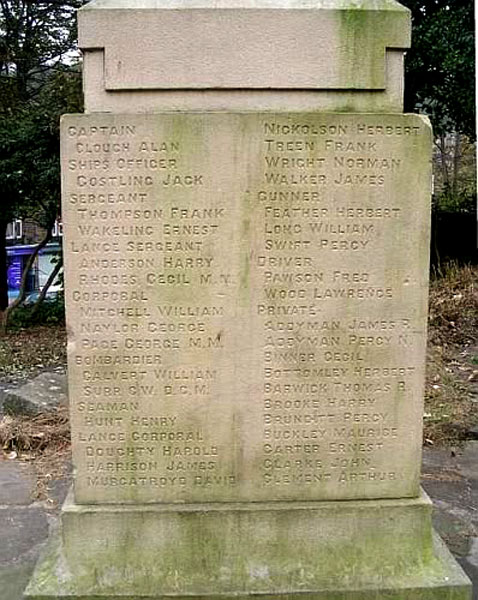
(363, 37)
(199, 555)
(246, 232)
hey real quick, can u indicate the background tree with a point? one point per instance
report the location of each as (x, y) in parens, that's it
(440, 66)
(440, 82)
(37, 40)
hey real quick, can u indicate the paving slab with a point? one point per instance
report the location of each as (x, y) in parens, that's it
(25, 524)
(14, 579)
(17, 481)
(450, 477)
(23, 529)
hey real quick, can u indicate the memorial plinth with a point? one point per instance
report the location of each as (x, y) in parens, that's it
(246, 301)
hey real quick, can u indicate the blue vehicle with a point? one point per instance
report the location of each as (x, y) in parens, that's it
(17, 256)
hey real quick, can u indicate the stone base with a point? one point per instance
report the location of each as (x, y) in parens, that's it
(349, 550)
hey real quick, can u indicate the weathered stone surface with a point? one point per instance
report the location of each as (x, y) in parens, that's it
(340, 46)
(294, 55)
(44, 393)
(247, 321)
(268, 546)
(379, 549)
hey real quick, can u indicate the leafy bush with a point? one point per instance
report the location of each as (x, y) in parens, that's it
(49, 312)
(463, 202)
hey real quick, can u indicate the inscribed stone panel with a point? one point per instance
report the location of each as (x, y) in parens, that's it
(246, 304)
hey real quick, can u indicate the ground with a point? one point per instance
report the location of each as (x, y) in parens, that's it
(451, 396)
(26, 352)
(35, 462)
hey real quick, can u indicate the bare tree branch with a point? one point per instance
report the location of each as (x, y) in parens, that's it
(31, 259)
(46, 287)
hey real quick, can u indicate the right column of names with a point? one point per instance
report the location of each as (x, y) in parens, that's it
(340, 304)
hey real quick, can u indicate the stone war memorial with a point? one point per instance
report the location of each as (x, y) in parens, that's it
(246, 212)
